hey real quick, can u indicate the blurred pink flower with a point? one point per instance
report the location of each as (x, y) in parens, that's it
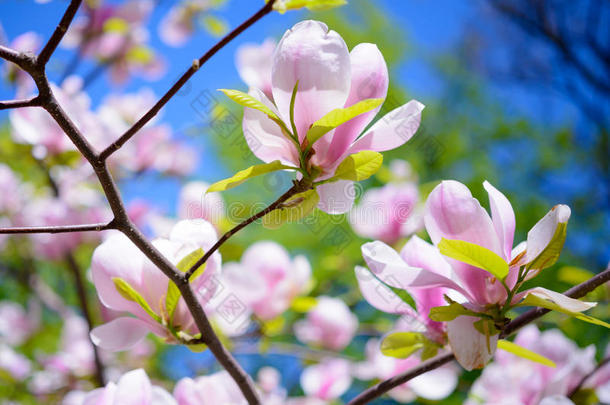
(10, 200)
(513, 380)
(75, 356)
(218, 388)
(179, 23)
(434, 385)
(27, 42)
(118, 257)
(329, 324)
(16, 364)
(254, 63)
(133, 388)
(195, 202)
(17, 324)
(267, 279)
(329, 77)
(327, 380)
(387, 213)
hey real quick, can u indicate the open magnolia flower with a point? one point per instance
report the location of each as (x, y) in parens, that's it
(323, 98)
(481, 266)
(127, 281)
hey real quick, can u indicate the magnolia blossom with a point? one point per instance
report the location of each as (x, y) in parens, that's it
(387, 213)
(194, 202)
(179, 23)
(329, 324)
(117, 35)
(512, 380)
(329, 77)
(15, 364)
(327, 380)
(133, 387)
(17, 325)
(254, 65)
(452, 213)
(217, 388)
(434, 385)
(75, 355)
(267, 279)
(119, 258)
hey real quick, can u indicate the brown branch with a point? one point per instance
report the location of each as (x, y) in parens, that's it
(81, 292)
(116, 145)
(297, 188)
(59, 32)
(11, 55)
(30, 102)
(59, 228)
(582, 381)
(381, 388)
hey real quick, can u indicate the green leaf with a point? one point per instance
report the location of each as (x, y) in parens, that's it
(303, 304)
(551, 252)
(573, 275)
(430, 350)
(214, 25)
(340, 116)
(296, 208)
(243, 175)
(129, 293)
(486, 327)
(402, 344)
(116, 24)
(449, 312)
(359, 166)
(524, 353)
(548, 303)
(140, 54)
(314, 5)
(247, 100)
(197, 348)
(173, 293)
(474, 255)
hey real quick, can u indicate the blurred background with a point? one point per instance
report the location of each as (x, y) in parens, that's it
(516, 92)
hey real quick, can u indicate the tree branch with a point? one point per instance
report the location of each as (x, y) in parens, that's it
(116, 145)
(30, 102)
(10, 55)
(379, 389)
(297, 188)
(59, 228)
(59, 32)
(582, 381)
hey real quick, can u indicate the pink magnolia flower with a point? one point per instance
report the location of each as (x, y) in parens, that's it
(512, 380)
(75, 355)
(118, 257)
(267, 279)
(218, 388)
(327, 380)
(452, 213)
(194, 202)
(133, 388)
(387, 213)
(329, 324)
(179, 24)
(329, 77)
(10, 200)
(17, 325)
(434, 385)
(117, 35)
(254, 65)
(15, 364)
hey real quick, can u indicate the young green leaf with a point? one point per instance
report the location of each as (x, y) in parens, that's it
(314, 5)
(359, 166)
(474, 255)
(243, 175)
(517, 350)
(246, 100)
(303, 304)
(340, 116)
(402, 344)
(173, 293)
(551, 252)
(430, 350)
(129, 293)
(447, 313)
(555, 301)
(297, 207)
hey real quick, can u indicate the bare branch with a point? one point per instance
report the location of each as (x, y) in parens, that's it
(442, 359)
(583, 380)
(11, 55)
(297, 188)
(59, 32)
(59, 229)
(30, 102)
(116, 145)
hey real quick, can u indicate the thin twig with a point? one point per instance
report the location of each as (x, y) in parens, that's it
(583, 380)
(295, 189)
(59, 228)
(30, 102)
(381, 388)
(266, 9)
(59, 32)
